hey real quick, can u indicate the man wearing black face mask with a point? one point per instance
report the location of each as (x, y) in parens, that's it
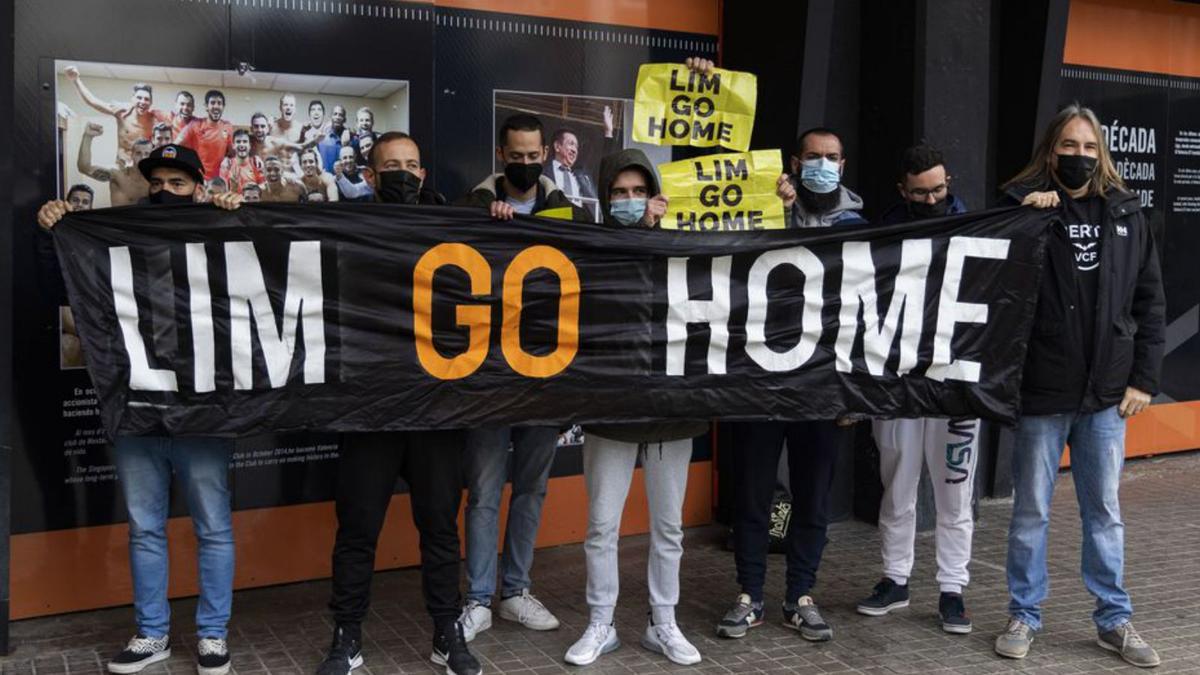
(145, 465)
(1094, 360)
(395, 174)
(369, 464)
(521, 189)
(924, 188)
(908, 445)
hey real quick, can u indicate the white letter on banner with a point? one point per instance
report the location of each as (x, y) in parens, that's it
(141, 376)
(203, 342)
(303, 301)
(681, 311)
(951, 311)
(908, 297)
(756, 317)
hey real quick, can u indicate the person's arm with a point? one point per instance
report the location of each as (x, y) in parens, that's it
(84, 161)
(86, 94)
(612, 140)
(226, 171)
(1149, 313)
(353, 190)
(331, 192)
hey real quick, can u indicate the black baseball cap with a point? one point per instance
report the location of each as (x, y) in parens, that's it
(176, 157)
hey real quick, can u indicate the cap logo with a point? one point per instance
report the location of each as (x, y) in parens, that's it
(169, 152)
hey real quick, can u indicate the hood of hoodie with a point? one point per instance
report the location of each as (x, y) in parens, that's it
(614, 164)
(899, 213)
(849, 206)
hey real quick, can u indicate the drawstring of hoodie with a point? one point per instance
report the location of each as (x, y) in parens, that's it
(643, 449)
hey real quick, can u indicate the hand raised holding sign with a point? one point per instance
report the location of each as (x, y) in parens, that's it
(656, 208)
(694, 103)
(699, 65)
(785, 190)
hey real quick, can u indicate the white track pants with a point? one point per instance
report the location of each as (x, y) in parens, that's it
(949, 449)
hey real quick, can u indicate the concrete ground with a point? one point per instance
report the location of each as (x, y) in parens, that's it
(286, 629)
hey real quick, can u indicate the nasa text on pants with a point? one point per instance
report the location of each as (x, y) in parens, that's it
(733, 191)
(358, 317)
(673, 105)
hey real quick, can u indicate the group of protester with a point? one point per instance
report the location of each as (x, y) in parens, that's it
(1093, 360)
(273, 159)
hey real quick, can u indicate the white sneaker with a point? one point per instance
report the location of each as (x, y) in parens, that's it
(475, 619)
(666, 639)
(527, 611)
(598, 639)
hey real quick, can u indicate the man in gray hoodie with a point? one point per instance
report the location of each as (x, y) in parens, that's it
(629, 196)
(813, 196)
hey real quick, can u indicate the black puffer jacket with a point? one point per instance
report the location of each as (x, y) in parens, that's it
(1130, 315)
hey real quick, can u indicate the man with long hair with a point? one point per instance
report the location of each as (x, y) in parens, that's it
(1094, 359)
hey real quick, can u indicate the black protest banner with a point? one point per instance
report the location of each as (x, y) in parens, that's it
(363, 317)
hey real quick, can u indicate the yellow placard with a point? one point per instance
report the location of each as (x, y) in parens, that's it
(675, 106)
(724, 192)
(560, 213)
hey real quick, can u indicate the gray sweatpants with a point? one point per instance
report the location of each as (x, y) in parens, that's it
(608, 471)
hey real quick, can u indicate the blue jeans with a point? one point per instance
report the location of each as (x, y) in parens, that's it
(486, 462)
(1097, 454)
(144, 467)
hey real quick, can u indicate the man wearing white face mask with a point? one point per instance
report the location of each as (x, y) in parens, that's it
(813, 195)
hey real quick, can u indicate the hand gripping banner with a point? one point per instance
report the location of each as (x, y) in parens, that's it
(355, 317)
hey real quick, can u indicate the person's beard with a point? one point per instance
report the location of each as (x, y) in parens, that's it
(815, 202)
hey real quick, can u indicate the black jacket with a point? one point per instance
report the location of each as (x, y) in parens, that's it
(548, 197)
(1130, 317)
(899, 212)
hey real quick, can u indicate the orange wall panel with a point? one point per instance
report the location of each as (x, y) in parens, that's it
(86, 568)
(1154, 36)
(688, 16)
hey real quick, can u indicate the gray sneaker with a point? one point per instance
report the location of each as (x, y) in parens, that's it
(806, 618)
(1014, 642)
(1125, 641)
(739, 620)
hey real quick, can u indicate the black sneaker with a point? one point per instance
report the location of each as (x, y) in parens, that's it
(345, 654)
(888, 595)
(212, 656)
(954, 614)
(141, 652)
(450, 650)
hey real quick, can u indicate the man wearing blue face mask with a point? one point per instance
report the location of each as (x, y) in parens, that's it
(813, 196)
(629, 196)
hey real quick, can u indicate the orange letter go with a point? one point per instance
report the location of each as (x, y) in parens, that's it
(518, 359)
(477, 318)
